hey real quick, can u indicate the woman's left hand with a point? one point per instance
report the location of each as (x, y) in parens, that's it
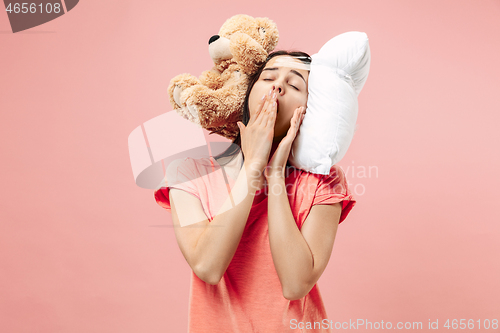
(277, 166)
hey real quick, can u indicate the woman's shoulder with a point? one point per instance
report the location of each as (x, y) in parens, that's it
(200, 172)
(182, 170)
(189, 164)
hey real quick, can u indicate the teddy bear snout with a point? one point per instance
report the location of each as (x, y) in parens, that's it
(219, 48)
(213, 39)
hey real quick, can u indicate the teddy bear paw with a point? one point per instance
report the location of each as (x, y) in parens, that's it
(194, 112)
(177, 95)
(186, 114)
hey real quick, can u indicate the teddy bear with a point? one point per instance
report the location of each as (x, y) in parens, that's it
(214, 100)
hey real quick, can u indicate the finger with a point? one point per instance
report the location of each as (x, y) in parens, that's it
(262, 113)
(295, 123)
(242, 129)
(272, 114)
(300, 118)
(262, 120)
(260, 105)
(301, 113)
(299, 122)
(254, 117)
(272, 110)
(241, 126)
(296, 115)
(262, 108)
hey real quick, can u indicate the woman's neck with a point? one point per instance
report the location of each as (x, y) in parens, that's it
(237, 162)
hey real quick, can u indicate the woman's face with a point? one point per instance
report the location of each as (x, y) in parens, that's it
(289, 76)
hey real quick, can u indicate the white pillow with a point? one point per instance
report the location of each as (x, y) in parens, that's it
(338, 72)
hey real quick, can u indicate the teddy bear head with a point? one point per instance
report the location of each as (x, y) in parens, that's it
(245, 40)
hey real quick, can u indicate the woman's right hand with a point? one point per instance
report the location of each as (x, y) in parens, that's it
(257, 136)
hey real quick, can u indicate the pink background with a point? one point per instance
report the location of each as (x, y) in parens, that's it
(83, 249)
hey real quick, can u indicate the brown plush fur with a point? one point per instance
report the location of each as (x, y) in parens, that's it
(217, 96)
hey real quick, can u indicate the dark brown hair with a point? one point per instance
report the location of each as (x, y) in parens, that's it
(236, 146)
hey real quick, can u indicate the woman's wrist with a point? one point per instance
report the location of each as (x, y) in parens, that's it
(274, 179)
(274, 173)
(254, 168)
(254, 175)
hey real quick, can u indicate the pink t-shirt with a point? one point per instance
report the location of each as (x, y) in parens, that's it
(249, 296)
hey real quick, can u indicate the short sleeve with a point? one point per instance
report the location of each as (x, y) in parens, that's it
(180, 174)
(333, 188)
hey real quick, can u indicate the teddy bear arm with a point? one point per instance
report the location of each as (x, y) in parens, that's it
(177, 85)
(211, 79)
(184, 80)
(216, 107)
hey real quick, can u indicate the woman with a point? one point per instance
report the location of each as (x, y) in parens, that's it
(257, 253)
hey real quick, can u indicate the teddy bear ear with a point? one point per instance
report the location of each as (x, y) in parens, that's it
(234, 24)
(269, 32)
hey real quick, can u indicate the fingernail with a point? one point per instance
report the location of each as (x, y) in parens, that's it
(274, 95)
(264, 97)
(271, 91)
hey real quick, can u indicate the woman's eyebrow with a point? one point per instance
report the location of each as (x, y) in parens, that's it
(295, 72)
(292, 70)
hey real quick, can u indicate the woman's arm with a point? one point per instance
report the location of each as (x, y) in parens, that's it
(299, 256)
(209, 247)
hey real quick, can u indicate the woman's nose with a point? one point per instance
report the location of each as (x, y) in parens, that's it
(279, 88)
